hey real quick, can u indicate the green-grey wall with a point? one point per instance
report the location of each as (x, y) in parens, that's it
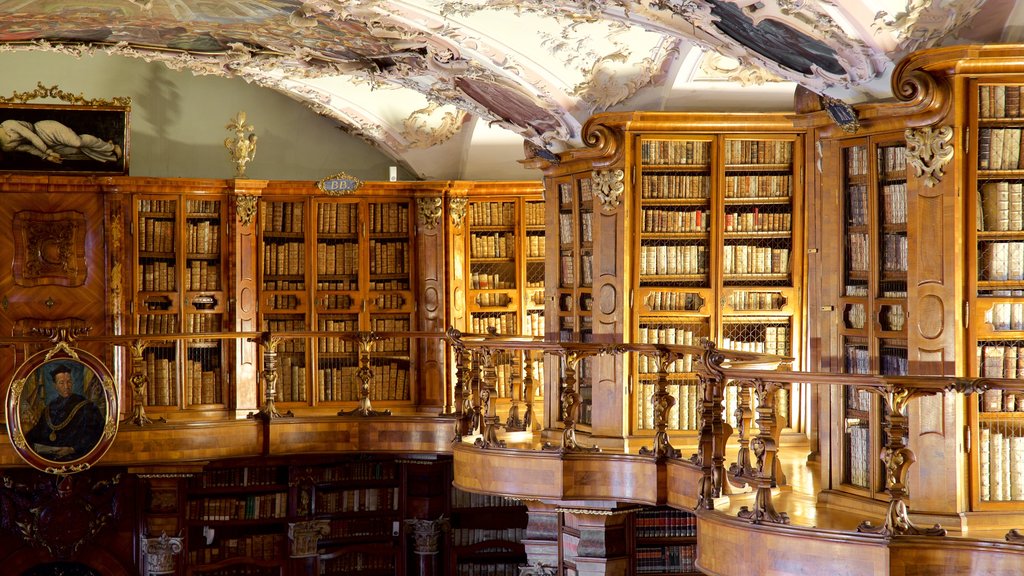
(178, 119)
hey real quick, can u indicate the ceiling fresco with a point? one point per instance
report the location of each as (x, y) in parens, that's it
(411, 74)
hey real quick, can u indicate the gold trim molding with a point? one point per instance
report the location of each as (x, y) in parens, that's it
(42, 91)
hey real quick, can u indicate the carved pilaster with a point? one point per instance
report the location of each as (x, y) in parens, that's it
(305, 536)
(160, 554)
(426, 534)
(928, 151)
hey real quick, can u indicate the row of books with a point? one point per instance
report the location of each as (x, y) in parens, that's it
(675, 186)
(893, 361)
(338, 383)
(534, 323)
(684, 414)
(284, 285)
(995, 400)
(1001, 360)
(894, 252)
(747, 259)
(202, 237)
(999, 149)
(1006, 316)
(161, 376)
(240, 477)
(757, 221)
(357, 470)
(858, 359)
(492, 245)
(337, 218)
(391, 345)
(490, 281)
(380, 527)
(856, 161)
(859, 438)
(670, 220)
(999, 101)
(534, 213)
(499, 323)
(758, 151)
(157, 235)
(858, 252)
(389, 257)
(389, 301)
(859, 400)
(157, 206)
(283, 217)
(201, 275)
(356, 500)
(680, 335)
(390, 381)
(337, 345)
(759, 186)
(664, 523)
(743, 300)
(568, 270)
(666, 559)
(760, 338)
(254, 547)
(159, 323)
(357, 563)
(493, 214)
(251, 507)
(1000, 207)
(490, 568)
(1001, 261)
(337, 258)
(674, 152)
(857, 205)
(159, 276)
(665, 301)
(1000, 464)
(470, 536)
(535, 246)
(284, 258)
(463, 499)
(389, 218)
(291, 378)
(894, 203)
(493, 300)
(892, 159)
(893, 318)
(565, 197)
(662, 259)
(202, 385)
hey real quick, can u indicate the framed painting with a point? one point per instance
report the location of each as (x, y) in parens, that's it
(62, 410)
(78, 136)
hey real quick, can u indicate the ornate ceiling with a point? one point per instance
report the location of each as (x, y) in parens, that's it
(407, 75)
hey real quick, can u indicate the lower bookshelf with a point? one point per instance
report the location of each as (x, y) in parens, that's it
(665, 542)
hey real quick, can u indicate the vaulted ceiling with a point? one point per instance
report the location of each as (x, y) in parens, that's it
(408, 75)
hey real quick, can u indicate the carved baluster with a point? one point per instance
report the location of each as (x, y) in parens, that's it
(474, 403)
(570, 400)
(269, 409)
(514, 423)
(711, 441)
(139, 381)
(897, 459)
(365, 375)
(765, 448)
(489, 421)
(663, 402)
(743, 418)
(462, 421)
(528, 392)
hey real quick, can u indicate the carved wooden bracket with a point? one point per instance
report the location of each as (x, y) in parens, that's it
(928, 152)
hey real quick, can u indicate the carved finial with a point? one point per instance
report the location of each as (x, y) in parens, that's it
(243, 146)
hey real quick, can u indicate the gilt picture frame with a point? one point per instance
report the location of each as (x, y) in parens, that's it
(62, 410)
(77, 136)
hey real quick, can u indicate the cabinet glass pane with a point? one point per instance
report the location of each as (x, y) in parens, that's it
(856, 219)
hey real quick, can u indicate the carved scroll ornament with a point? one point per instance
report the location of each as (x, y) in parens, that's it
(928, 151)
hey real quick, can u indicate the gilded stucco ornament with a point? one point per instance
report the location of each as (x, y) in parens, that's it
(432, 125)
(457, 209)
(609, 187)
(242, 147)
(928, 151)
(245, 206)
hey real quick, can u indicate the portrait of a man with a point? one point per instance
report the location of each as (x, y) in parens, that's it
(70, 421)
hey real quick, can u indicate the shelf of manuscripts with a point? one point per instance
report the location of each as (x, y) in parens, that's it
(665, 541)
(291, 357)
(675, 213)
(675, 330)
(283, 273)
(757, 212)
(535, 251)
(486, 535)
(361, 560)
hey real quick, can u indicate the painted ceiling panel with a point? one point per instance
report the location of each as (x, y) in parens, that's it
(407, 75)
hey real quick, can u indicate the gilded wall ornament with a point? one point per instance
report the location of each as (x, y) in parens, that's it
(245, 206)
(242, 147)
(609, 187)
(928, 151)
(430, 211)
(457, 209)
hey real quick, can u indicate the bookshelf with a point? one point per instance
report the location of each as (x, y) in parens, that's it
(345, 265)
(996, 291)
(665, 542)
(873, 301)
(180, 287)
(715, 258)
(486, 535)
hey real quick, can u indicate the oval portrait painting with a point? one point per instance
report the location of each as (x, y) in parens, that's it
(62, 410)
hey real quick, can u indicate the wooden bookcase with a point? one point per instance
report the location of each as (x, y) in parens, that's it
(664, 541)
(180, 284)
(486, 535)
(681, 227)
(342, 264)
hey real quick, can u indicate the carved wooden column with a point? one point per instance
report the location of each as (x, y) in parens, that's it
(430, 288)
(139, 380)
(304, 539)
(242, 289)
(161, 554)
(515, 422)
(488, 409)
(462, 411)
(663, 402)
(365, 376)
(714, 431)
(762, 475)
(268, 411)
(897, 459)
